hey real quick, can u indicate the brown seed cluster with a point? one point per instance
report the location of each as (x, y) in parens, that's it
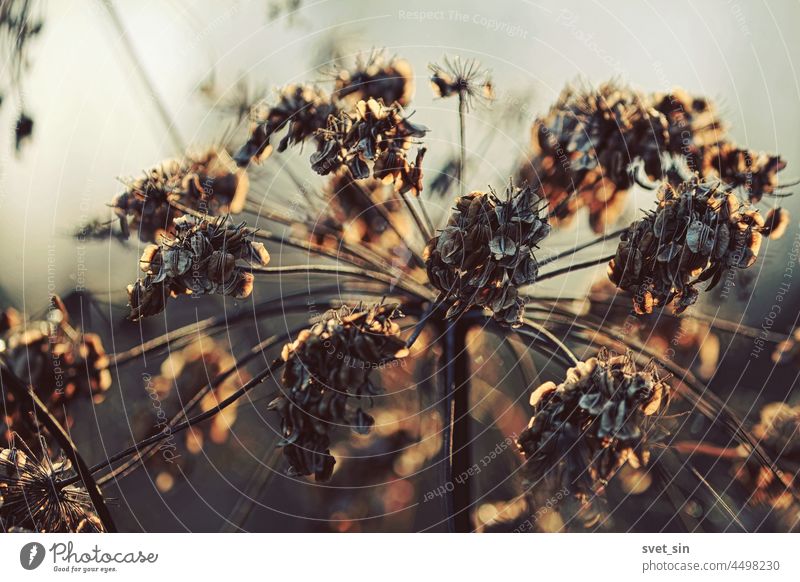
(31, 499)
(61, 362)
(300, 109)
(327, 367)
(698, 140)
(389, 80)
(696, 234)
(206, 181)
(485, 253)
(584, 147)
(372, 133)
(587, 150)
(584, 429)
(204, 257)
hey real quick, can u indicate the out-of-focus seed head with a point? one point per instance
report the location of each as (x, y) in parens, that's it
(60, 361)
(485, 253)
(584, 429)
(328, 368)
(692, 121)
(376, 77)
(204, 257)
(206, 181)
(754, 173)
(32, 499)
(696, 234)
(585, 149)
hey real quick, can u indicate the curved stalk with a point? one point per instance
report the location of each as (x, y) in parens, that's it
(43, 415)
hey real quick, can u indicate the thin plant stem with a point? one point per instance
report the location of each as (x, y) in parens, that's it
(575, 267)
(423, 230)
(462, 139)
(123, 469)
(580, 247)
(245, 388)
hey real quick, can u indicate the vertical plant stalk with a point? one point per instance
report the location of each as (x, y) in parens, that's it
(43, 415)
(462, 138)
(457, 426)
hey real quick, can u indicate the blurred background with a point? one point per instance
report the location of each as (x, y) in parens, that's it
(113, 87)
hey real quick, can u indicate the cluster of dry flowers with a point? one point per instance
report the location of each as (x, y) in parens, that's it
(606, 414)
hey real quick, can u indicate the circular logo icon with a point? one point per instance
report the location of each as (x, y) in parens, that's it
(31, 555)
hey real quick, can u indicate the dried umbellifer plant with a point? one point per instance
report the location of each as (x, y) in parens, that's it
(698, 233)
(477, 272)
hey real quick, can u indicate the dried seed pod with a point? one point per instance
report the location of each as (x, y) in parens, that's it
(31, 497)
(389, 80)
(584, 150)
(301, 109)
(327, 367)
(485, 253)
(371, 133)
(200, 259)
(461, 78)
(697, 234)
(207, 181)
(775, 223)
(584, 429)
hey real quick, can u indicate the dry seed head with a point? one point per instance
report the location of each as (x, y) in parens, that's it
(461, 78)
(485, 253)
(328, 368)
(585, 148)
(205, 257)
(377, 77)
(301, 110)
(696, 234)
(32, 499)
(587, 427)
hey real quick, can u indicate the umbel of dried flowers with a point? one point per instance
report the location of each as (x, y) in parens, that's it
(300, 109)
(583, 150)
(697, 139)
(485, 253)
(205, 257)
(206, 181)
(390, 80)
(32, 499)
(371, 133)
(587, 427)
(59, 360)
(464, 79)
(327, 367)
(697, 233)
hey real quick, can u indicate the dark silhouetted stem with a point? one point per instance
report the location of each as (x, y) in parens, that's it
(457, 426)
(580, 247)
(575, 267)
